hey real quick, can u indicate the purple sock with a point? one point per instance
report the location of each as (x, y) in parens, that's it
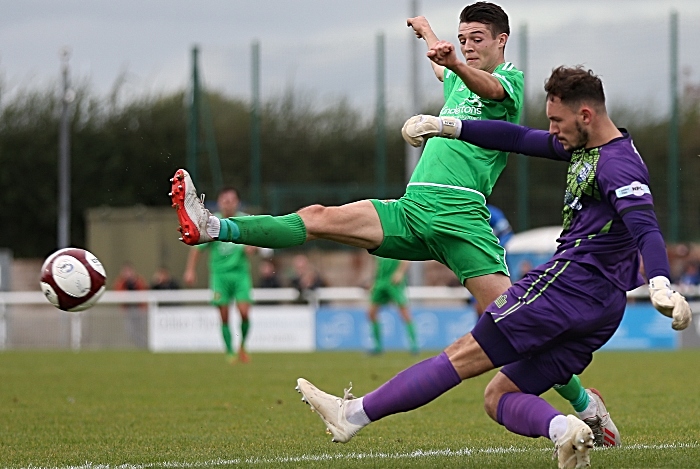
(526, 414)
(412, 388)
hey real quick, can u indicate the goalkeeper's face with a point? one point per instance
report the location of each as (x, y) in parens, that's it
(481, 49)
(569, 125)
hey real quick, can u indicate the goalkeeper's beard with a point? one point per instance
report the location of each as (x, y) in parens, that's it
(582, 138)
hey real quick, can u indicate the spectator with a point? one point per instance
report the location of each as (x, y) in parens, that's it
(162, 280)
(268, 275)
(305, 276)
(691, 275)
(130, 280)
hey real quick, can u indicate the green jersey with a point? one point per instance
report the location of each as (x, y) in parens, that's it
(460, 165)
(385, 269)
(226, 258)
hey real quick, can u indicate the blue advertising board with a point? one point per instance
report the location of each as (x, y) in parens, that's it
(643, 328)
(347, 328)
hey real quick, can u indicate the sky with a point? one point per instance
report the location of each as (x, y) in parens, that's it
(326, 49)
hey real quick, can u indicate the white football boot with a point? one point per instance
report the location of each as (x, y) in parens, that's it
(192, 214)
(331, 409)
(604, 430)
(573, 447)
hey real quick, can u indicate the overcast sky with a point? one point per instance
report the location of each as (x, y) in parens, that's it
(327, 48)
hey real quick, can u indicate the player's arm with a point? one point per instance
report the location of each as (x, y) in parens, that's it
(422, 29)
(490, 134)
(190, 275)
(645, 229)
(633, 202)
(400, 272)
(482, 83)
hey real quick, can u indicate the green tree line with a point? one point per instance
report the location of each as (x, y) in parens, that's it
(124, 154)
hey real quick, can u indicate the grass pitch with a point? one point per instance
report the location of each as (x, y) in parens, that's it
(137, 410)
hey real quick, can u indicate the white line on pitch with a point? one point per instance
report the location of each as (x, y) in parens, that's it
(346, 456)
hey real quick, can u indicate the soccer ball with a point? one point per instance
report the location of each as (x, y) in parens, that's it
(72, 279)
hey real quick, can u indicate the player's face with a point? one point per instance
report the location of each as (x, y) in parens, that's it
(228, 203)
(566, 124)
(480, 49)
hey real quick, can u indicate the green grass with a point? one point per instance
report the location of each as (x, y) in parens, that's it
(62, 409)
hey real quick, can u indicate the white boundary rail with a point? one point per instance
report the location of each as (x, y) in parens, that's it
(153, 298)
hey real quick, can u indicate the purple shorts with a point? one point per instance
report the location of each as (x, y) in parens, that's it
(551, 321)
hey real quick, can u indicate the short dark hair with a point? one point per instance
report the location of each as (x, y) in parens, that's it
(575, 85)
(225, 189)
(487, 13)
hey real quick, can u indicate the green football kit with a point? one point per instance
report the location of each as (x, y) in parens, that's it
(443, 215)
(229, 268)
(384, 291)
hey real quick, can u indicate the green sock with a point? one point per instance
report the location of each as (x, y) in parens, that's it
(264, 230)
(245, 325)
(574, 393)
(412, 335)
(377, 335)
(226, 332)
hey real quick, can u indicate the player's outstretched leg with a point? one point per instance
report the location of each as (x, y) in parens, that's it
(198, 226)
(194, 218)
(408, 390)
(598, 418)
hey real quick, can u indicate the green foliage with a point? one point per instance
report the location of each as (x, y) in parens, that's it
(124, 154)
(106, 409)
(119, 157)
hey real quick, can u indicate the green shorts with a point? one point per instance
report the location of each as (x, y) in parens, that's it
(383, 293)
(448, 225)
(231, 286)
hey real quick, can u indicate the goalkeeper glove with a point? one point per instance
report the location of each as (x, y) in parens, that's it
(418, 128)
(669, 303)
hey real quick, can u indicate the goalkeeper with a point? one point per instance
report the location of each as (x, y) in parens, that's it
(443, 214)
(546, 326)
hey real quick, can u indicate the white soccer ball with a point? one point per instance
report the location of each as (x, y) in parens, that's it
(72, 279)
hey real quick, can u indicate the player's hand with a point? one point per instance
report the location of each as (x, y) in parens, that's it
(670, 303)
(418, 128)
(443, 53)
(420, 26)
(396, 278)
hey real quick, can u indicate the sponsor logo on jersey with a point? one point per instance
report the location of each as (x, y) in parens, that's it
(501, 300)
(572, 201)
(636, 189)
(472, 105)
(582, 170)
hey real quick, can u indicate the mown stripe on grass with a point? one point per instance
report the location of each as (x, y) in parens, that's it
(347, 457)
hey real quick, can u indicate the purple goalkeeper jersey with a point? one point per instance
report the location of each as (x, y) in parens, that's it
(603, 184)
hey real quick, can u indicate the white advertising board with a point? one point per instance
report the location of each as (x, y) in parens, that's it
(284, 328)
